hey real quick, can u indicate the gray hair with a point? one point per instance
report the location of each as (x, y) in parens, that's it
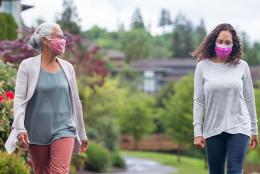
(45, 29)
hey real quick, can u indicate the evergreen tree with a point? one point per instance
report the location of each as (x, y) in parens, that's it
(200, 33)
(165, 18)
(136, 44)
(69, 18)
(8, 27)
(177, 114)
(137, 20)
(182, 37)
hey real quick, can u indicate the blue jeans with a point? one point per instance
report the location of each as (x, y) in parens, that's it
(230, 146)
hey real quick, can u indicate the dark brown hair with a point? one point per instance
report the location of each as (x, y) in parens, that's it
(207, 47)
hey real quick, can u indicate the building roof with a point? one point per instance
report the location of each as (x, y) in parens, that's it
(176, 67)
(26, 7)
(163, 64)
(115, 54)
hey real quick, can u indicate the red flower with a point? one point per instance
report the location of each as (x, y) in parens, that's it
(9, 95)
(2, 98)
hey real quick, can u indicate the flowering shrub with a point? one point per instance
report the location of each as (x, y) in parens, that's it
(7, 76)
(82, 53)
(6, 115)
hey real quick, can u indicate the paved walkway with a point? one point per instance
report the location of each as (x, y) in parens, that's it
(143, 166)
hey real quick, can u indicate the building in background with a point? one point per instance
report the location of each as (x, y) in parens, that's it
(117, 58)
(15, 8)
(156, 73)
(153, 74)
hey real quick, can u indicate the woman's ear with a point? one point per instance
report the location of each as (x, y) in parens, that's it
(45, 41)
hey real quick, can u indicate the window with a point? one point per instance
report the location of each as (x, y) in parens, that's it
(149, 81)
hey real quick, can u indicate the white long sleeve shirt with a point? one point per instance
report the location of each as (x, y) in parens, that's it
(223, 99)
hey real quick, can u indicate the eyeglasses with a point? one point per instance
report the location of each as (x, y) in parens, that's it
(60, 36)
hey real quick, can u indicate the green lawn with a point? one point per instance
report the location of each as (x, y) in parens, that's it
(186, 166)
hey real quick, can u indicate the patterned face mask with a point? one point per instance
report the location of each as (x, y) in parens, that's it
(58, 45)
(223, 51)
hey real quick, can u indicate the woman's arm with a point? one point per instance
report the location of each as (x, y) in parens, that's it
(79, 112)
(21, 85)
(248, 92)
(198, 104)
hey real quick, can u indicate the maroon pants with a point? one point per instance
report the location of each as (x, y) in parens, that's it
(54, 158)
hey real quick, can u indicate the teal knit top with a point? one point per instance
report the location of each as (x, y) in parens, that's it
(49, 112)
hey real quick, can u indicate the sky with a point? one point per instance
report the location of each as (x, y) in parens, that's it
(244, 15)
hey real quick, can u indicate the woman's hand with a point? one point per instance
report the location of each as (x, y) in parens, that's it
(199, 141)
(23, 140)
(253, 142)
(84, 146)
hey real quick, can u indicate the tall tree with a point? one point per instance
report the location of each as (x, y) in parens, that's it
(200, 32)
(251, 50)
(165, 18)
(161, 97)
(96, 32)
(254, 54)
(102, 111)
(8, 27)
(178, 112)
(137, 116)
(137, 20)
(246, 46)
(69, 18)
(182, 37)
(136, 44)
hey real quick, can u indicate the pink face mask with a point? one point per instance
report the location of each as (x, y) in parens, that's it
(223, 51)
(58, 45)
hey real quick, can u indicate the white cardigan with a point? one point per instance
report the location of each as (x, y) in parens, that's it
(27, 77)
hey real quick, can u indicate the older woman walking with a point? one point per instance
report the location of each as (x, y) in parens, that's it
(48, 119)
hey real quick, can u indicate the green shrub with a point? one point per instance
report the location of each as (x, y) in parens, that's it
(253, 157)
(78, 161)
(98, 158)
(73, 169)
(108, 133)
(8, 27)
(92, 133)
(12, 164)
(7, 75)
(117, 160)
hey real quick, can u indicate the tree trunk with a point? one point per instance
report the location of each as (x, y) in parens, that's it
(136, 144)
(179, 153)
